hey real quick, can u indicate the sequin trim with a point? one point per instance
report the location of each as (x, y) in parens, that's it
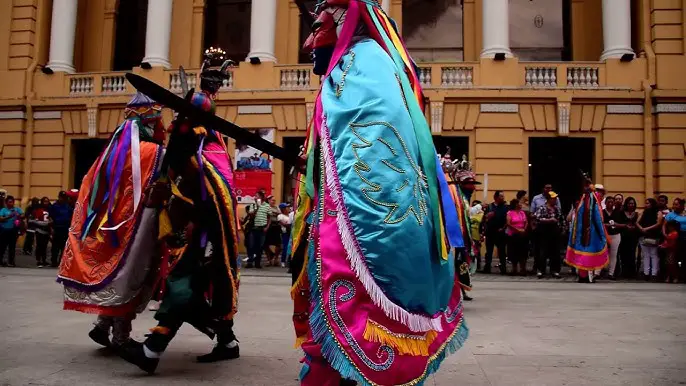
(340, 85)
(336, 317)
(451, 315)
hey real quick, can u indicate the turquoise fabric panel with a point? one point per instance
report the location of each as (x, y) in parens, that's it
(385, 191)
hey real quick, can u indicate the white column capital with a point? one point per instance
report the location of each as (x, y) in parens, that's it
(158, 33)
(263, 30)
(62, 35)
(496, 28)
(616, 29)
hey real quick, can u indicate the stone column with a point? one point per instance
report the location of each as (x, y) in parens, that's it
(62, 34)
(616, 29)
(386, 6)
(263, 30)
(158, 33)
(496, 28)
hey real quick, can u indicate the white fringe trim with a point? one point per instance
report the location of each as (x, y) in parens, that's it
(415, 322)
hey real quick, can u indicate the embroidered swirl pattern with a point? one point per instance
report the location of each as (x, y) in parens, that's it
(451, 315)
(417, 207)
(345, 297)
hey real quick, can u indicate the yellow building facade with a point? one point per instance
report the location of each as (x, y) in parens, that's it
(620, 117)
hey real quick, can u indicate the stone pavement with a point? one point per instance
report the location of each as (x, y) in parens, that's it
(523, 332)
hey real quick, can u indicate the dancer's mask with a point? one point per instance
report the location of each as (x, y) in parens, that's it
(330, 16)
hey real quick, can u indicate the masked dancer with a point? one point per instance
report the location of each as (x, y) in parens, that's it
(111, 257)
(462, 183)
(377, 301)
(200, 228)
(587, 248)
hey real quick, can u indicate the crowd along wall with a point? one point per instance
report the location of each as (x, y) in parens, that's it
(498, 106)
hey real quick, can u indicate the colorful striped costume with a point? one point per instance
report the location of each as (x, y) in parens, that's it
(377, 300)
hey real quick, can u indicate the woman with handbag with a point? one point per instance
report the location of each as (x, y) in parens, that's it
(650, 225)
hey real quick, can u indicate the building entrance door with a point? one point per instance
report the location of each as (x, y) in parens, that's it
(458, 146)
(292, 146)
(84, 154)
(558, 161)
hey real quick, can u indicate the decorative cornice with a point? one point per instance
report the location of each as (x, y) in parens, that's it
(670, 108)
(625, 109)
(12, 115)
(47, 115)
(255, 109)
(499, 108)
(436, 117)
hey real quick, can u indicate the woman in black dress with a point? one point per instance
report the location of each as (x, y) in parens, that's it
(630, 234)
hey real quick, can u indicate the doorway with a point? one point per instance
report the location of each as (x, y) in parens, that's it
(459, 146)
(558, 161)
(84, 153)
(292, 146)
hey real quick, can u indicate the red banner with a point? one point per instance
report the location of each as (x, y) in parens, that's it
(248, 183)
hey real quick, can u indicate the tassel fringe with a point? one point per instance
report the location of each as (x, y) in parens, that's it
(416, 345)
(338, 359)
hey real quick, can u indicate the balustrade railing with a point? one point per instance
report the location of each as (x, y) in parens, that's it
(424, 76)
(295, 78)
(81, 85)
(569, 75)
(175, 81)
(536, 76)
(113, 84)
(432, 76)
(462, 76)
(583, 77)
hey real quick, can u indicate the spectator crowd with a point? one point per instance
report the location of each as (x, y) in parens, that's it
(42, 222)
(650, 242)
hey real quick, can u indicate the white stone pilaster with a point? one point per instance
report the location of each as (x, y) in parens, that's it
(386, 6)
(616, 29)
(263, 30)
(158, 33)
(496, 28)
(62, 34)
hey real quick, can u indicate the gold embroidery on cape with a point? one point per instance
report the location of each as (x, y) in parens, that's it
(419, 208)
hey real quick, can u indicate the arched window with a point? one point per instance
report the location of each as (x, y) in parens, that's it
(129, 43)
(540, 30)
(227, 26)
(432, 29)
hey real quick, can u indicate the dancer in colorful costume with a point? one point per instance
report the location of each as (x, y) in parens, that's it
(462, 181)
(111, 258)
(202, 234)
(587, 248)
(377, 301)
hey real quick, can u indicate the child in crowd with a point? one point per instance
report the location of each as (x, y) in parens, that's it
(670, 247)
